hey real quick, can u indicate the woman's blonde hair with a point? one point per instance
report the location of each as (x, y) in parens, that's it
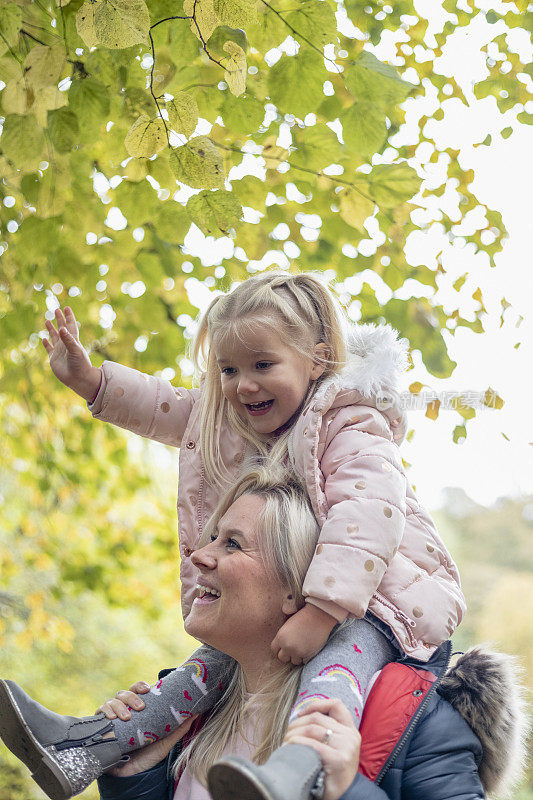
(289, 533)
(299, 309)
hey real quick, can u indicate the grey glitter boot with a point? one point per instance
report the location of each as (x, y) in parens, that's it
(293, 772)
(64, 754)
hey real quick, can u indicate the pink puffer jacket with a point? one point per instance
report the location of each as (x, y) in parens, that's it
(378, 547)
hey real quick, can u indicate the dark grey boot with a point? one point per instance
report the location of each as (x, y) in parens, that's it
(64, 754)
(293, 772)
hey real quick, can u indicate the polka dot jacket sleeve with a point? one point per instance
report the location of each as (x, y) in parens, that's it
(362, 490)
(146, 405)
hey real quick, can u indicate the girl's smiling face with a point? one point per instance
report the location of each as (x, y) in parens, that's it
(240, 603)
(264, 379)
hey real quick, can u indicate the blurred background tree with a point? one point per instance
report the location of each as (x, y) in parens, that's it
(151, 158)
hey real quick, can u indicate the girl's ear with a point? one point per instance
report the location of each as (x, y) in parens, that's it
(288, 606)
(321, 353)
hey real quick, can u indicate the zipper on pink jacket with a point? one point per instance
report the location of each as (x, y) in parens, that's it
(200, 501)
(399, 615)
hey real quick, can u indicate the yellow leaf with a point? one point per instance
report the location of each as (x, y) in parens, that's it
(235, 70)
(44, 65)
(205, 18)
(17, 96)
(416, 387)
(85, 24)
(492, 400)
(121, 23)
(198, 164)
(479, 297)
(355, 208)
(136, 169)
(113, 23)
(183, 113)
(432, 410)
(48, 99)
(146, 137)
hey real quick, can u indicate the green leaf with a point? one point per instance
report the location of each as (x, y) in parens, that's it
(235, 68)
(236, 13)
(184, 44)
(22, 141)
(242, 116)
(146, 137)
(137, 201)
(198, 164)
(183, 113)
(355, 208)
(295, 82)
(372, 81)
(55, 188)
(215, 213)
(314, 20)
(525, 118)
(393, 184)
(172, 222)
(268, 32)
(316, 147)
(363, 128)
(113, 23)
(251, 191)
(44, 65)
(63, 129)
(10, 24)
(89, 100)
(459, 432)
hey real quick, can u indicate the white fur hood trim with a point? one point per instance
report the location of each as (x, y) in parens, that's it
(377, 359)
(483, 686)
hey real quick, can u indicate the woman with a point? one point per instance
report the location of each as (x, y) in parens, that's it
(413, 742)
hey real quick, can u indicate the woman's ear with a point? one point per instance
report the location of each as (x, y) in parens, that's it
(289, 606)
(320, 356)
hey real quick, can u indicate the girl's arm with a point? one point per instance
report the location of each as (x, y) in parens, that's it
(143, 404)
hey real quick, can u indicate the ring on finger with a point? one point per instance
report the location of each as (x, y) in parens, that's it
(327, 736)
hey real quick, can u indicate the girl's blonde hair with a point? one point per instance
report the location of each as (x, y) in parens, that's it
(299, 309)
(289, 533)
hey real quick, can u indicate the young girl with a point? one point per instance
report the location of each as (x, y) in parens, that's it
(288, 378)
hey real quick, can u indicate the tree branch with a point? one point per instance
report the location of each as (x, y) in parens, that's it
(31, 36)
(331, 178)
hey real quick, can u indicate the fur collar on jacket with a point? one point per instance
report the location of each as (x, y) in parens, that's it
(483, 686)
(371, 376)
(377, 359)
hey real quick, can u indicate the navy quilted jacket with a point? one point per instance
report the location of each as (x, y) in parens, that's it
(415, 745)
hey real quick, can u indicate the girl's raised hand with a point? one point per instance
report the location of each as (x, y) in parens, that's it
(326, 726)
(69, 360)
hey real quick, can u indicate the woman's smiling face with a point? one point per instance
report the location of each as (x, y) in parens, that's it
(240, 602)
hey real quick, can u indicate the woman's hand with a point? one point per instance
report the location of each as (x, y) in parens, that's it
(121, 706)
(69, 360)
(326, 725)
